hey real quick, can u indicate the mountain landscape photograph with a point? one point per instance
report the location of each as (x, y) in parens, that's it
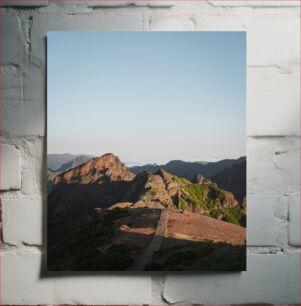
(146, 151)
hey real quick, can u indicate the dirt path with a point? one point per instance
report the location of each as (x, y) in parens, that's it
(155, 244)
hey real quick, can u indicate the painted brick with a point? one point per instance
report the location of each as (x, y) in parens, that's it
(118, 3)
(115, 4)
(78, 5)
(260, 214)
(268, 35)
(24, 3)
(269, 279)
(276, 89)
(294, 220)
(12, 44)
(23, 102)
(90, 22)
(108, 4)
(167, 23)
(10, 167)
(11, 84)
(159, 3)
(273, 166)
(250, 3)
(157, 287)
(33, 167)
(34, 100)
(22, 221)
(22, 283)
(23, 107)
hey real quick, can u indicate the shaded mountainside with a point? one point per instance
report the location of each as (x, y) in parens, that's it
(189, 170)
(100, 182)
(51, 174)
(233, 179)
(105, 182)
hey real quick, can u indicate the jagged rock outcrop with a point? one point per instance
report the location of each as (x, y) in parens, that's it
(154, 193)
(171, 185)
(199, 179)
(148, 190)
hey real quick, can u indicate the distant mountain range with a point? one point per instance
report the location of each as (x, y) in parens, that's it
(62, 162)
(189, 170)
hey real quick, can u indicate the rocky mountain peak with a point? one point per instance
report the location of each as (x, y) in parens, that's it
(95, 170)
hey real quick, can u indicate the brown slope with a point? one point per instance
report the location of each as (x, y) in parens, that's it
(194, 242)
(176, 230)
(195, 227)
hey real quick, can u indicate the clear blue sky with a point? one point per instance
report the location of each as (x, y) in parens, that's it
(147, 96)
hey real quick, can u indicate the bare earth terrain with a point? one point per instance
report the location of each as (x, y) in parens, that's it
(194, 227)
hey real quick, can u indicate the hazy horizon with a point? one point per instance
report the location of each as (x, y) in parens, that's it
(147, 97)
(133, 163)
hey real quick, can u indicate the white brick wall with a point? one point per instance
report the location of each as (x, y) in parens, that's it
(23, 219)
(13, 44)
(25, 284)
(269, 279)
(16, 3)
(10, 172)
(274, 88)
(273, 150)
(294, 220)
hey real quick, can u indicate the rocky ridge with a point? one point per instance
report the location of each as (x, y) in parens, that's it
(105, 182)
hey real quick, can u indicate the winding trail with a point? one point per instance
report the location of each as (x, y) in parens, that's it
(155, 244)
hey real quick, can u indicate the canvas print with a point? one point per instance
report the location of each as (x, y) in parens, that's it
(146, 137)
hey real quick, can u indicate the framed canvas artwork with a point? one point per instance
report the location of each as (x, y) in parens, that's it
(146, 140)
